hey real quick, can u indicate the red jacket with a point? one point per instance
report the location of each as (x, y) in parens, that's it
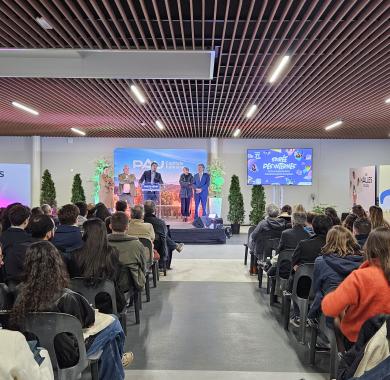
(364, 294)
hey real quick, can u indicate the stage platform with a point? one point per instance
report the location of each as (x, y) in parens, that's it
(187, 234)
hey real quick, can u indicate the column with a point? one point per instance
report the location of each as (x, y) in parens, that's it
(36, 171)
(213, 148)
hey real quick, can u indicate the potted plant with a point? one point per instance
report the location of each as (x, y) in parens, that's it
(48, 190)
(257, 204)
(236, 205)
(216, 172)
(78, 194)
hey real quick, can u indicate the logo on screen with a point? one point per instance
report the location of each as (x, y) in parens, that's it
(1, 173)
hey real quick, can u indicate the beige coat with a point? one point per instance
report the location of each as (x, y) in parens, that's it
(139, 228)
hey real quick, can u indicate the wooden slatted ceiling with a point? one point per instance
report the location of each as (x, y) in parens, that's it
(339, 68)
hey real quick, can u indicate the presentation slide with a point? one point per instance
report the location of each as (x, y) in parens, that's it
(280, 166)
(15, 184)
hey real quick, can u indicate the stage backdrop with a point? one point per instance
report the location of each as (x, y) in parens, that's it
(15, 184)
(362, 186)
(384, 187)
(170, 165)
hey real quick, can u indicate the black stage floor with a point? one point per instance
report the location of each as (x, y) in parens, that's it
(198, 235)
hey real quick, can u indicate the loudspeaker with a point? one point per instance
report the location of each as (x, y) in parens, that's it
(206, 222)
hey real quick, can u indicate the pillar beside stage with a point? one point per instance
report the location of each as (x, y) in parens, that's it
(36, 159)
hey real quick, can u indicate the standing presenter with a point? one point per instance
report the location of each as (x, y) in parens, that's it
(201, 186)
(151, 176)
(127, 190)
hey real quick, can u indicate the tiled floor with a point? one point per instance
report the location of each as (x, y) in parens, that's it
(208, 320)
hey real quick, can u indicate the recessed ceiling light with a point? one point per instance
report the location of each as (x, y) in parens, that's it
(138, 94)
(143, 124)
(387, 100)
(252, 109)
(159, 124)
(43, 23)
(25, 108)
(334, 125)
(237, 132)
(78, 131)
(282, 64)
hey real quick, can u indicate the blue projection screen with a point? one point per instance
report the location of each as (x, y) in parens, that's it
(280, 166)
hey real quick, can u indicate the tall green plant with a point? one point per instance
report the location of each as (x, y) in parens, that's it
(257, 204)
(48, 191)
(217, 180)
(236, 202)
(78, 194)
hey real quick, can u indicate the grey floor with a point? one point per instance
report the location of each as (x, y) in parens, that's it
(215, 329)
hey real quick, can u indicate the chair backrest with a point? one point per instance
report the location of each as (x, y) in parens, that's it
(303, 279)
(284, 262)
(269, 246)
(262, 240)
(148, 244)
(4, 297)
(91, 287)
(251, 229)
(46, 326)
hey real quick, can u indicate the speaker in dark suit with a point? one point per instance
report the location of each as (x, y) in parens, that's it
(151, 176)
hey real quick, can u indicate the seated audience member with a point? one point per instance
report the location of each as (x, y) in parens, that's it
(269, 228)
(47, 210)
(5, 222)
(289, 240)
(349, 220)
(306, 252)
(121, 206)
(46, 289)
(2, 274)
(309, 222)
(137, 227)
(91, 210)
(365, 293)
(332, 213)
(298, 208)
(285, 213)
(34, 211)
(41, 228)
(161, 232)
(18, 216)
(17, 360)
(359, 211)
(361, 229)
(376, 217)
(68, 236)
(107, 222)
(340, 256)
(97, 259)
(101, 212)
(131, 251)
(83, 211)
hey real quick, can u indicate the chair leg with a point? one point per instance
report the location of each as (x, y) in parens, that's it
(303, 318)
(123, 321)
(333, 359)
(313, 344)
(94, 370)
(246, 256)
(137, 303)
(154, 274)
(260, 275)
(272, 291)
(287, 308)
(147, 289)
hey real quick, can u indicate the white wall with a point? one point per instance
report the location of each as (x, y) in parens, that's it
(331, 162)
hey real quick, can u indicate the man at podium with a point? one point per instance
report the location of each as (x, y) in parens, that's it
(151, 177)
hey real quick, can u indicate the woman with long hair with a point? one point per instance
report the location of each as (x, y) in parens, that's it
(97, 259)
(348, 221)
(366, 292)
(359, 211)
(340, 256)
(332, 213)
(46, 289)
(101, 212)
(376, 217)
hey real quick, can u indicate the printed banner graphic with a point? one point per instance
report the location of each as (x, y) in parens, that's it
(15, 184)
(362, 186)
(384, 187)
(280, 166)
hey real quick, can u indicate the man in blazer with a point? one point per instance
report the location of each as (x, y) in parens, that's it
(201, 186)
(151, 176)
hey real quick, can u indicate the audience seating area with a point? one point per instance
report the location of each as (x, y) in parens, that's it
(292, 294)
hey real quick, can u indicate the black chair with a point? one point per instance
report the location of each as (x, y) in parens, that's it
(91, 287)
(132, 293)
(303, 279)
(279, 283)
(5, 297)
(246, 245)
(46, 326)
(268, 247)
(152, 269)
(334, 337)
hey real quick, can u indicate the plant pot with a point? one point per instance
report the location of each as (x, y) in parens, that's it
(215, 206)
(235, 229)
